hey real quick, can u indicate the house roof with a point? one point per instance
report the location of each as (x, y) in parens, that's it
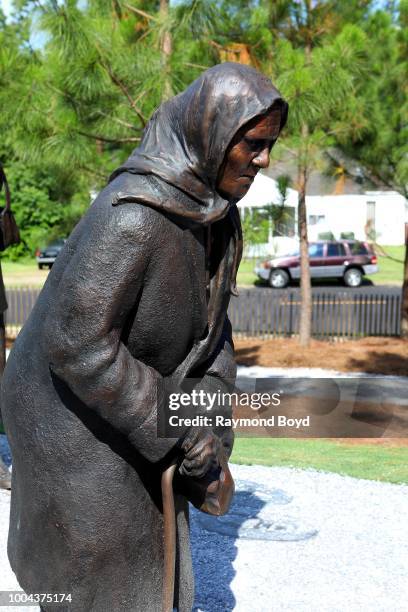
(337, 175)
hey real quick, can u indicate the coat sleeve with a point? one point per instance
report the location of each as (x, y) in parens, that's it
(110, 254)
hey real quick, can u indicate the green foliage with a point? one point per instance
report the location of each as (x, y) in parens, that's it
(320, 86)
(74, 109)
(40, 217)
(100, 76)
(381, 141)
(255, 228)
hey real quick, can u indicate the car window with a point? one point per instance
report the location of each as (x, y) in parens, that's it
(335, 249)
(358, 248)
(315, 250)
(57, 243)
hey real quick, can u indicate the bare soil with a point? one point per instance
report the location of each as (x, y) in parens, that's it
(390, 442)
(372, 355)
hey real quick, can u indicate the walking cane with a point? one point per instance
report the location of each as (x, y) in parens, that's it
(169, 537)
(211, 494)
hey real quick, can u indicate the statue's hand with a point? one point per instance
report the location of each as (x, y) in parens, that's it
(202, 449)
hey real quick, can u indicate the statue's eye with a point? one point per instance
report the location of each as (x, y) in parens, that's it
(256, 144)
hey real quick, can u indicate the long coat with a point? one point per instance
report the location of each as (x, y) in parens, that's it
(122, 306)
(139, 294)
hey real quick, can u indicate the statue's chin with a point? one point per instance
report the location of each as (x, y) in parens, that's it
(234, 195)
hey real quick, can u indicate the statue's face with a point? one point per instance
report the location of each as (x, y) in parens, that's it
(247, 153)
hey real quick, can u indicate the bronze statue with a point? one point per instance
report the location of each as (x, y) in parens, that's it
(138, 295)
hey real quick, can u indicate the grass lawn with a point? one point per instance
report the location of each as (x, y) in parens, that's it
(391, 272)
(9, 267)
(384, 461)
(23, 273)
(246, 274)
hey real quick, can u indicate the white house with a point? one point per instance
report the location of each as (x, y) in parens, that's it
(373, 213)
(380, 214)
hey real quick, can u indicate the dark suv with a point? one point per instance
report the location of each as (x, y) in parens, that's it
(47, 256)
(349, 260)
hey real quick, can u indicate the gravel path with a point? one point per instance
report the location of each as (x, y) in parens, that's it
(343, 545)
(295, 540)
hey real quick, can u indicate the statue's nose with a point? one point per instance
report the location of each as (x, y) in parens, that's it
(262, 159)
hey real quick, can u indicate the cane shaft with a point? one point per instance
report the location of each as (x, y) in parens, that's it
(169, 536)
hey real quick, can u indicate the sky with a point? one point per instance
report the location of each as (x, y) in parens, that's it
(37, 38)
(6, 5)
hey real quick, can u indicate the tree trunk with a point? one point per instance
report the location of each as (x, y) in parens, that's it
(404, 306)
(305, 325)
(166, 46)
(305, 285)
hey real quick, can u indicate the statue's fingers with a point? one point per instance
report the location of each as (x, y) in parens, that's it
(196, 468)
(192, 437)
(198, 449)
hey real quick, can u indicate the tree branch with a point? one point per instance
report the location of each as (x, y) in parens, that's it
(140, 12)
(119, 121)
(109, 140)
(40, 6)
(116, 81)
(381, 251)
(93, 171)
(195, 66)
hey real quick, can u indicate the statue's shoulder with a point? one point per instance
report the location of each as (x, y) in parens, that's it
(129, 200)
(128, 214)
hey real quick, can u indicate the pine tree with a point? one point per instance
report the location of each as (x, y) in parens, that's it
(315, 66)
(104, 69)
(381, 146)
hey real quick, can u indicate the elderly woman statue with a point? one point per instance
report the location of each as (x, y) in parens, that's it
(139, 294)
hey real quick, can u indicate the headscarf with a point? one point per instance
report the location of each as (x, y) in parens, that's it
(184, 145)
(187, 137)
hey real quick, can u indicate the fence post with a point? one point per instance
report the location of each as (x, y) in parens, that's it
(291, 313)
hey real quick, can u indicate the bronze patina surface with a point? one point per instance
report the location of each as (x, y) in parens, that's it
(138, 295)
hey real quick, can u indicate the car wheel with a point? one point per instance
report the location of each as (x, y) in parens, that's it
(40, 266)
(50, 266)
(353, 277)
(278, 279)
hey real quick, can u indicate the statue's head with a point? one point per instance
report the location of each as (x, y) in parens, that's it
(211, 139)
